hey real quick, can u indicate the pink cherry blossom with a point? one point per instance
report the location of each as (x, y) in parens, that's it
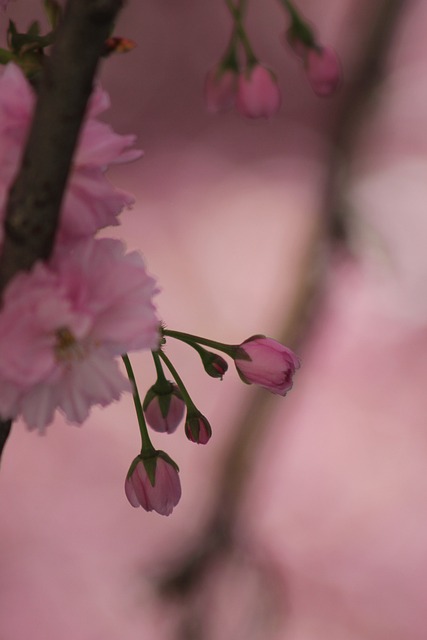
(164, 412)
(323, 70)
(163, 496)
(270, 365)
(220, 89)
(258, 94)
(63, 325)
(90, 201)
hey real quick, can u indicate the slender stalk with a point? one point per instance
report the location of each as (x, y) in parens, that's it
(190, 339)
(236, 12)
(186, 396)
(145, 438)
(159, 369)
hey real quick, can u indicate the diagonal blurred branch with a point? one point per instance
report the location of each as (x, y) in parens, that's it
(185, 578)
(33, 208)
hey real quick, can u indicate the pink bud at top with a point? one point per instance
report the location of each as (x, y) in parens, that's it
(220, 89)
(270, 365)
(323, 70)
(197, 428)
(164, 412)
(258, 95)
(163, 496)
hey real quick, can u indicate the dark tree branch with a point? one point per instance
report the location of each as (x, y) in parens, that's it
(33, 208)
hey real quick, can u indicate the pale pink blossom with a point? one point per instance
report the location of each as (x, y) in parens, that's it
(258, 95)
(163, 493)
(220, 89)
(90, 201)
(197, 428)
(269, 364)
(323, 70)
(63, 326)
(164, 411)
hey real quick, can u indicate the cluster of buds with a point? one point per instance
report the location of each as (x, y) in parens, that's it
(251, 86)
(152, 481)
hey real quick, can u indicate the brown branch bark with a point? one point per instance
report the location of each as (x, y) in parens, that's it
(33, 208)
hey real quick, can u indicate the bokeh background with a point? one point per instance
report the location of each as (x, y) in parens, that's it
(305, 518)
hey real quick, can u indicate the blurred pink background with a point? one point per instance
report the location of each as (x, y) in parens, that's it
(331, 533)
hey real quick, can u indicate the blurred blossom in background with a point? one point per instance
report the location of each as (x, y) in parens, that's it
(311, 524)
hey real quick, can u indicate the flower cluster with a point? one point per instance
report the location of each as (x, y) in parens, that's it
(152, 480)
(64, 324)
(252, 87)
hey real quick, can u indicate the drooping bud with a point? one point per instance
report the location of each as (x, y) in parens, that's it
(197, 428)
(258, 95)
(152, 482)
(164, 407)
(214, 364)
(267, 363)
(323, 71)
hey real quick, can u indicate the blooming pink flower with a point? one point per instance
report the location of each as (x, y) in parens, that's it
(220, 89)
(90, 201)
(63, 325)
(270, 364)
(258, 95)
(164, 411)
(197, 428)
(323, 70)
(161, 492)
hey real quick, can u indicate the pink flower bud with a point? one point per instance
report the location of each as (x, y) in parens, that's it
(197, 428)
(258, 95)
(220, 89)
(153, 484)
(214, 365)
(270, 364)
(164, 411)
(323, 70)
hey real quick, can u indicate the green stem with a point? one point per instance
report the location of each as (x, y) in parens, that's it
(161, 378)
(188, 338)
(186, 396)
(145, 438)
(236, 12)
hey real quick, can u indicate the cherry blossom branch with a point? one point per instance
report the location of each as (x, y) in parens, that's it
(33, 207)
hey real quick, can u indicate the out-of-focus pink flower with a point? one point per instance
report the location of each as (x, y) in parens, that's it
(161, 492)
(270, 364)
(90, 201)
(63, 325)
(323, 70)
(164, 411)
(3, 4)
(197, 428)
(258, 94)
(220, 89)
